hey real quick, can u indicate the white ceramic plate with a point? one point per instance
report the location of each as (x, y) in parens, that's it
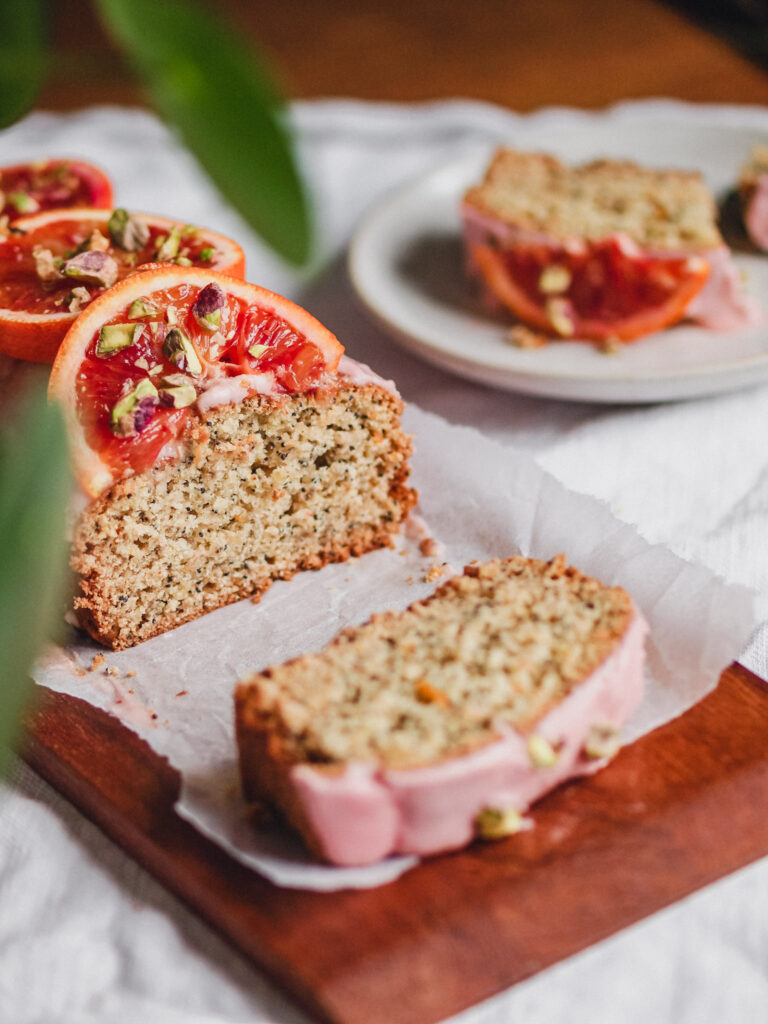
(406, 264)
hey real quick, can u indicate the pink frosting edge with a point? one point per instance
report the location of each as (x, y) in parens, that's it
(756, 213)
(367, 814)
(721, 305)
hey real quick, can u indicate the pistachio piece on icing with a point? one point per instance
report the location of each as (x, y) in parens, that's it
(208, 306)
(177, 391)
(133, 412)
(179, 350)
(206, 254)
(140, 309)
(168, 247)
(126, 231)
(498, 822)
(114, 337)
(22, 203)
(541, 752)
(602, 741)
(183, 261)
(92, 267)
(257, 350)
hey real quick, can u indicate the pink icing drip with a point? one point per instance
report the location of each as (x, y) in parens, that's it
(359, 373)
(756, 214)
(366, 814)
(722, 304)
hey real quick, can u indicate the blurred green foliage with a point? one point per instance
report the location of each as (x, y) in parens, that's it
(34, 491)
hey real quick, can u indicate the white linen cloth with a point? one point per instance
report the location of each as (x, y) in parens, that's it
(85, 934)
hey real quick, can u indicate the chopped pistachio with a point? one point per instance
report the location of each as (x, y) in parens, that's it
(126, 231)
(179, 350)
(208, 306)
(171, 315)
(555, 280)
(558, 311)
(78, 298)
(498, 822)
(142, 363)
(92, 267)
(541, 752)
(133, 412)
(183, 261)
(177, 391)
(602, 741)
(47, 266)
(22, 203)
(96, 242)
(157, 368)
(115, 337)
(168, 246)
(206, 254)
(257, 350)
(140, 309)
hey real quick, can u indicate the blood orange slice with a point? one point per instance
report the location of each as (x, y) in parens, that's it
(602, 290)
(52, 184)
(166, 343)
(65, 259)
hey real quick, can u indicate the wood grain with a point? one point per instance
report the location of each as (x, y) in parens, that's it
(522, 54)
(676, 810)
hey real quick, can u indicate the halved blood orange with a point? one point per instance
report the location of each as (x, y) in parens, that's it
(39, 298)
(137, 361)
(52, 184)
(610, 289)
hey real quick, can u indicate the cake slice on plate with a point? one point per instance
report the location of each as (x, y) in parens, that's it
(422, 729)
(608, 251)
(222, 441)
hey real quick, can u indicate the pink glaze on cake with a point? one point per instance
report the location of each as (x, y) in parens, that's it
(368, 813)
(721, 305)
(756, 213)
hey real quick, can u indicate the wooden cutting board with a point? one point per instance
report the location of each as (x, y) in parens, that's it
(676, 810)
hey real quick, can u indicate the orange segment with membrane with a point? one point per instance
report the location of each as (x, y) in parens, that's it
(41, 292)
(595, 290)
(132, 366)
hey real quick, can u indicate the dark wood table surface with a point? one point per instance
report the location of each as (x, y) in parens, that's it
(520, 53)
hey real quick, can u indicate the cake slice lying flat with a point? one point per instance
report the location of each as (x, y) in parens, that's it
(222, 441)
(421, 729)
(608, 250)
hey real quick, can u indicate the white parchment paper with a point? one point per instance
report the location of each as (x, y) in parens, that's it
(480, 500)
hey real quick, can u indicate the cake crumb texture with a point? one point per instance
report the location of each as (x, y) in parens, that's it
(504, 642)
(658, 209)
(262, 489)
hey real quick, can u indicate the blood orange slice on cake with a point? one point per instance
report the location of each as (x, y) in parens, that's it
(52, 184)
(162, 344)
(608, 289)
(54, 264)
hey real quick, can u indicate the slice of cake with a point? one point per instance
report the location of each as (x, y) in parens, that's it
(608, 250)
(222, 441)
(422, 729)
(753, 191)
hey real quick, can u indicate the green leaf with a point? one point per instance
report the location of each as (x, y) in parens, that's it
(213, 88)
(22, 56)
(34, 491)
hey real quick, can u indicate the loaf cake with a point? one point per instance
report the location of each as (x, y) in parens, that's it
(420, 730)
(608, 250)
(221, 441)
(753, 191)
